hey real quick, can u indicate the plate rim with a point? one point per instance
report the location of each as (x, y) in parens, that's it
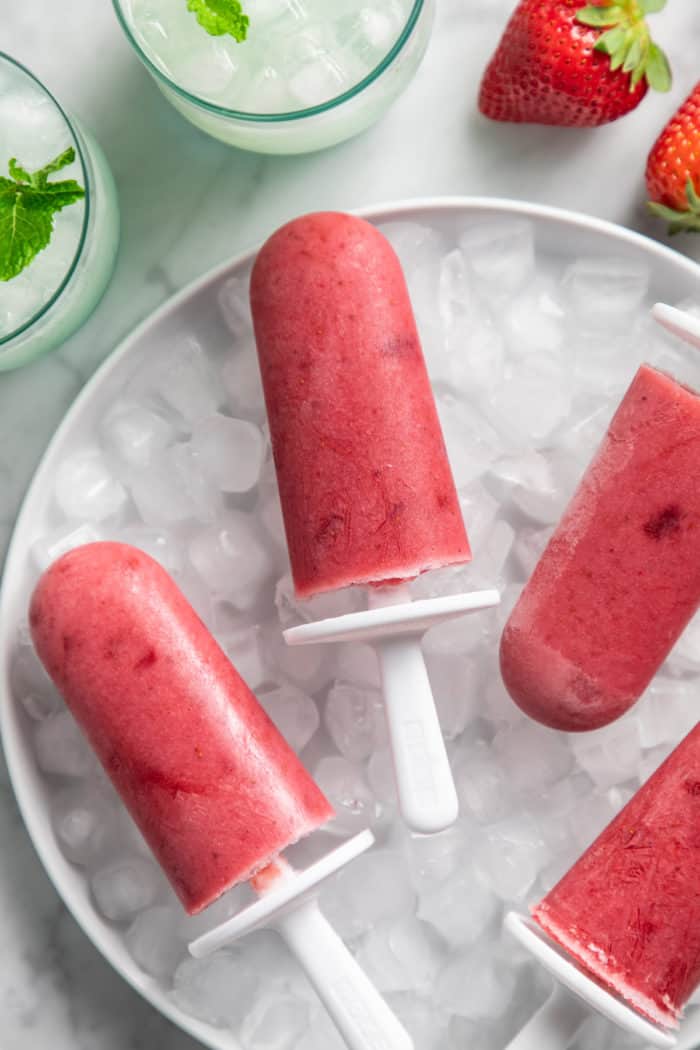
(84, 914)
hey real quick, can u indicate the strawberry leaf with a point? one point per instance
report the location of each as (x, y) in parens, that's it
(625, 38)
(687, 221)
(658, 71)
(594, 15)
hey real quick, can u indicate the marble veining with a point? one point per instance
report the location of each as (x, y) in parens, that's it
(188, 203)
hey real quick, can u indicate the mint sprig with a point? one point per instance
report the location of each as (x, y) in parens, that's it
(221, 17)
(28, 203)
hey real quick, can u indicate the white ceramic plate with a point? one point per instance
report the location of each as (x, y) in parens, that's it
(559, 233)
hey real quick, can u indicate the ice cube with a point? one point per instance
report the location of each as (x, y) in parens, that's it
(183, 465)
(529, 481)
(528, 549)
(533, 322)
(49, 548)
(472, 444)
(422, 1019)
(501, 255)
(474, 357)
(355, 719)
(418, 247)
(158, 543)
(216, 989)
(475, 986)
(294, 713)
(243, 648)
(275, 1022)
(240, 375)
(454, 681)
(207, 71)
(667, 711)
(189, 927)
(308, 666)
(234, 303)
(358, 663)
(372, 888)
(401, 954)
(125, 887)
(460, 909)
(493, 555)
(321, 1035)
(532, 757)
(61, 748)
(509, 855)
(230, 558)
(229, 452)
(348, 792)
(133, 434)
(83, 822)
(589, 818)
(484, 787)
(456, 298)
(85, 487)
(434, 858)
(380, 776)
(292, 610)
(373, 32)
(605, 293)
(685, 655)
(528, 407)
(31, 685)
(153, 943)
(183, 379)
(318, 79)
(158, 494)
(610, 755)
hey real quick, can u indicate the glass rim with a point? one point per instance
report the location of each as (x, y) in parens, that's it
(273, 118)
(81, 157)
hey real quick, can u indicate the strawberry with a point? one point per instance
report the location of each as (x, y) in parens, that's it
(673, 168)
(561, 63)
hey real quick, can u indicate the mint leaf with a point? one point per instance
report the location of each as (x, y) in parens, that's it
(28, 203)
(221, 17)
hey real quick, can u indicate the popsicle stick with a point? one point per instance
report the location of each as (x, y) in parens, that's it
(287, 903)
(358, 1010)
(427, 794)
(555, 1024)
(580, 988)
(394, 625)
(680, 323)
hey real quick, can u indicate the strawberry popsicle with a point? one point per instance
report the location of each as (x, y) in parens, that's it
(629, 910)
(211, 783)
(365, 484)
(620, 578)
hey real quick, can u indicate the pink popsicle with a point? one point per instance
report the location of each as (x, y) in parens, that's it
(629, 909)
(620, 578)
(365, 484)
(211, 783)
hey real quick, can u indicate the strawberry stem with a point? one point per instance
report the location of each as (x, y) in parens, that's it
(625, 37)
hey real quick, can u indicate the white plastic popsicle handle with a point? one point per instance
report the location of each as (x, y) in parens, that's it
(394, 625)
(289, 906)
(576, 995)
(680, 323)
(555, 1024)
(358, 1010)
(427, 794)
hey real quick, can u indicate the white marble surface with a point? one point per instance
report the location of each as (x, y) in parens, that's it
(188, 203)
